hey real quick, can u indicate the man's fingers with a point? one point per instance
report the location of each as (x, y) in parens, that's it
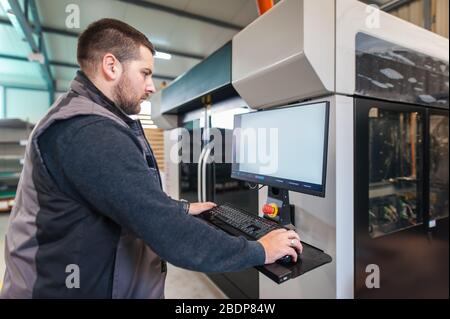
(293, 253)
(296, 244)
(209, 204)
(278, 230)
(204, 205)
(300, 248)
(293, 235)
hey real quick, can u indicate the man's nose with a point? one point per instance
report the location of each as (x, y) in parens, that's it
(150, 88)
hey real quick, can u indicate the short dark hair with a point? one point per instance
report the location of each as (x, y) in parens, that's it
(109, 35)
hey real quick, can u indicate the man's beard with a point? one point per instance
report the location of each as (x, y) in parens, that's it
(130, 105)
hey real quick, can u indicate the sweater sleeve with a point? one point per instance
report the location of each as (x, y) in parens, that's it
(105, 166)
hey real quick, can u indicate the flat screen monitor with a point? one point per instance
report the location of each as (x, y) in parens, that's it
(284, 147)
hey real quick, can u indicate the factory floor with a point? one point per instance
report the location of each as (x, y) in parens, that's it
(180, 283)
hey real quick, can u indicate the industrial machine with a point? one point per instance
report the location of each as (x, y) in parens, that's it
(382, 215)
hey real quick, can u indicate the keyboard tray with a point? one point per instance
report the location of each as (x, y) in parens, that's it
(311, 257)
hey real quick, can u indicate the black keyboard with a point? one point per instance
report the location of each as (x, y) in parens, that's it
(253, 226)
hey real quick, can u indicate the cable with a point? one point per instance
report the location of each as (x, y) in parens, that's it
(255, 186)
(252, 187)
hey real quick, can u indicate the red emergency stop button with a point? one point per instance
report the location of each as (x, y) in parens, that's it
(270, 210)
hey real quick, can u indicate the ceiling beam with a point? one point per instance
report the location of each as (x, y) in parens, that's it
(20, 86)
(394, 4)
(73, 34)
(38, 31)
(184, 14)
(72, 65)
(387, 6)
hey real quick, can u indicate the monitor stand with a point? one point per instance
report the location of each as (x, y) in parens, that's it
(280, 197)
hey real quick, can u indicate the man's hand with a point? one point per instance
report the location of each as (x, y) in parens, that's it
(279, 243)
(197, 208)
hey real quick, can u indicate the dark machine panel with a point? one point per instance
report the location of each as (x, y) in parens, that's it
(389, 71)
(401, 200)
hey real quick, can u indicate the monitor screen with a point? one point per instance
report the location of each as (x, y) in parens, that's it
(283, 147)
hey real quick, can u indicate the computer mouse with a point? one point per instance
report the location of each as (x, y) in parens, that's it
(285, 260)
(288, 259)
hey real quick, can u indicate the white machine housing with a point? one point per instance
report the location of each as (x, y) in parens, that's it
(302, 49)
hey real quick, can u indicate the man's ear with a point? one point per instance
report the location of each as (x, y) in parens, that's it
(111, 67)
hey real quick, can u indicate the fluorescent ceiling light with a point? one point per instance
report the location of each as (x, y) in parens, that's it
(163, 55)
(149, 126)
(146, 108)
(36, 57)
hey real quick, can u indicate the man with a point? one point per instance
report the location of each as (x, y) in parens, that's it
(91, 219)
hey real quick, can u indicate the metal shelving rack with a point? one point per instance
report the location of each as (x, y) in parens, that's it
(13, 140)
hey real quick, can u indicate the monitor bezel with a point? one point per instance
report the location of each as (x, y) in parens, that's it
(270, 180)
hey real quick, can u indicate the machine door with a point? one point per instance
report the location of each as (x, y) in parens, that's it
(395, 257)
(227, 189)
(437, 198)
(191, 148)
(438, 167)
